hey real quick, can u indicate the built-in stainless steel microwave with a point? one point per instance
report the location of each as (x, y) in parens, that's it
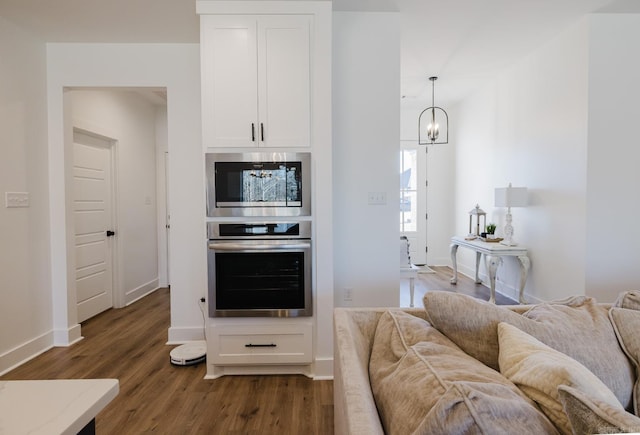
(258, 184)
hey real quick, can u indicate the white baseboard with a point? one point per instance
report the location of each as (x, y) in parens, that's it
(138, 293)
(214, 371)
(181, 335)
(25, 352)
(67, 337)
(323, 369)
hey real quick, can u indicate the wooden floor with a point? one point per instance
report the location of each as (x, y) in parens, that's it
(157, 397)
(440, 280)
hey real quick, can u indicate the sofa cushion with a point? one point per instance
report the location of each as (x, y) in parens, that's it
(626, 323)
(574, 326)
(483, 408)
(589, 415)
(629, 300)
(538, 370)
(416, 374)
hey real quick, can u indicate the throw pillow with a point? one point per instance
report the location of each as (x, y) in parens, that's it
(626, 323)
(576, 326)
(629, 300)
(589, 415)
(413, 366)
(483, 408)
(538, 370)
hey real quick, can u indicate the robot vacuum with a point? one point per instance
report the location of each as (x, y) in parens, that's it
(189, 354)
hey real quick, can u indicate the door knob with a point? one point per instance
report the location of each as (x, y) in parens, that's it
(110, 233)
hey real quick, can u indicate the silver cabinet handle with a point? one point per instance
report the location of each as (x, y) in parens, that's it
(264, 247)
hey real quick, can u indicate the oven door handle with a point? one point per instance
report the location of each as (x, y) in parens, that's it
(264, 247)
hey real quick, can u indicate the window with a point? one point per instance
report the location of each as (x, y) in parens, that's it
(408, 190)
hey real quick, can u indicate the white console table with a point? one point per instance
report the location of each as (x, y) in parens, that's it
(48, 407)
(493, 253)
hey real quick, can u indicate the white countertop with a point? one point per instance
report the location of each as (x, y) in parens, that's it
(52, 406)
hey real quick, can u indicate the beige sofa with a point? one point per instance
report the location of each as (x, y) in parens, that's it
(461, 365)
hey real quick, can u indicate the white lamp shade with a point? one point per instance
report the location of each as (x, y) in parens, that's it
(511, 197)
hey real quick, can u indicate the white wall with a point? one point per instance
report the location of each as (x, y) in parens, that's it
(25, 307)
(613, 204)
(131, 120)
(529, 127)
(366, 129)
(176, 67)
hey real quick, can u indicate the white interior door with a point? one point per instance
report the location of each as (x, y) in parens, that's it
(92, 205)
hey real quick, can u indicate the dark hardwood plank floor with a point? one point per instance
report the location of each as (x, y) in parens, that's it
(440, 280)
(157, 397)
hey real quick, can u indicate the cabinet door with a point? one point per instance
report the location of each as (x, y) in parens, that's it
(229, 81)
(284, 80)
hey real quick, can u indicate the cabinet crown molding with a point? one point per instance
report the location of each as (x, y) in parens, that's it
(204, 7)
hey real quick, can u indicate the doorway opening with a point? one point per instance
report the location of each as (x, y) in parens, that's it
(126, 127)
(413, 200)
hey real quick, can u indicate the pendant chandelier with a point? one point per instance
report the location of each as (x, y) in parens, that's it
(435, 119)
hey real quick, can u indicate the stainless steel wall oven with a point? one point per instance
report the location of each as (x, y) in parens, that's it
(259, 269)
(258, 184)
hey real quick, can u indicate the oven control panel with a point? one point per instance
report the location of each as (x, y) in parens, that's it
(259, 230)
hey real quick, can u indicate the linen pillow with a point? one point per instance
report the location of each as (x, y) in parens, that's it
(630, 300)
(483, 408)
(626, 323)
(588, 415)
(576, 326)
(538, 370)
(412, 368)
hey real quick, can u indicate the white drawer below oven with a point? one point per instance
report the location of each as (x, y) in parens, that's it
(260, 344)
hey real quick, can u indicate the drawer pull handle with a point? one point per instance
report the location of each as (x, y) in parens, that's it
(261, 345)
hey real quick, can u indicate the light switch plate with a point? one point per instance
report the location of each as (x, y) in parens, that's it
(16, 199)
(377, 198)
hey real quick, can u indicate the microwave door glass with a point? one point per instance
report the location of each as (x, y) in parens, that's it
(242, 184)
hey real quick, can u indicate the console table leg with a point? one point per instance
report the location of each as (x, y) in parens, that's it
(478, 280)
(492, 264)
(454, 263)
(412, 287)
(525, 263)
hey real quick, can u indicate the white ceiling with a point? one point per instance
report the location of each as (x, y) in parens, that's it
(462, 41)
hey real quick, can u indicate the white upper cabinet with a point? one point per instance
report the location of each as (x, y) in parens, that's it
(256, 80)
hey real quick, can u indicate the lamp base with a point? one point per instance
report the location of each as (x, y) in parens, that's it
(508, 230)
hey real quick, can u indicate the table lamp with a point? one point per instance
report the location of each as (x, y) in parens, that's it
(510, 197)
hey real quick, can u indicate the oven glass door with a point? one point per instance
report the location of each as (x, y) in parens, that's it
(257, 280)
(260, 281)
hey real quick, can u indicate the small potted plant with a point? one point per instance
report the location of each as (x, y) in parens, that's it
(491, 230)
